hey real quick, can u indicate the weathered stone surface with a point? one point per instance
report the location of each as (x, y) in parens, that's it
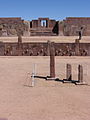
(43, 27)
(71, 26)
(11, 26)
(68, 72)
(19, 45)
(80, 73)
(52, 60)
(48, 47)
(77, 47)
(43, 49)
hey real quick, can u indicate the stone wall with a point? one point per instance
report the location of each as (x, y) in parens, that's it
(43, 27)
(72, 25)
(12, 26)
(42, 49)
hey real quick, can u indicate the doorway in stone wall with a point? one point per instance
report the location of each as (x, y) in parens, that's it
(44, 23)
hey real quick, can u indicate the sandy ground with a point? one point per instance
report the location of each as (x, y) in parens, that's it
(57, 39)
(48, 100)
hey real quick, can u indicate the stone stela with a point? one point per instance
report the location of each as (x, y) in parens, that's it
(19, 45)
(52, 60)
(77, 47)
(68, 72)
(80, 73)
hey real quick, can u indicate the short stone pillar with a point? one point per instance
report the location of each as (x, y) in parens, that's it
(80, 73)
(19, 45)
(77, 46)
(68, 72)
(52, 60)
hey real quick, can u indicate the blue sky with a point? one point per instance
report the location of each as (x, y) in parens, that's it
(54, 9)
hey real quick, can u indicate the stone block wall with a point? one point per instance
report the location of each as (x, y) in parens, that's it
(43, 27)
(12, 26)
(42, 49)
(71, 25)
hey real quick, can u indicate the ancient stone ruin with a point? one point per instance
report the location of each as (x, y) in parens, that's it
(42, 49)
(44, 27)
(71, 26)
(10, 27)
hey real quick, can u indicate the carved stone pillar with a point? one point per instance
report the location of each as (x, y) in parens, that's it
(80, 73)
(48, 47)
(52, 60)
(19, 45)
(68, 72)
(77, 46)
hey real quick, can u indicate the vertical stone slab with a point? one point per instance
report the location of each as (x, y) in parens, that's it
(39, 22)
(89, 51)
(80, 73)
(61, 28)
(2, 48)
(19, 39)
(77, 46)
(52, 60)
(68, 72)
(48, 47)
(14, 50)
(19, 45)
